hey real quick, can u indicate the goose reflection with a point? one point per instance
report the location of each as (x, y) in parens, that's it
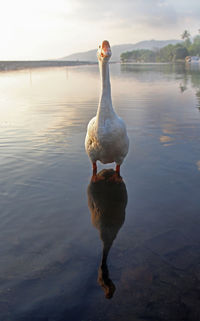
(107, 202)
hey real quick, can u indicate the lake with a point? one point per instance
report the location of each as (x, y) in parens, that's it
(51, 240)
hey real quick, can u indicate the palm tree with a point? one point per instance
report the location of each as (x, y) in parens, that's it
(185, 35)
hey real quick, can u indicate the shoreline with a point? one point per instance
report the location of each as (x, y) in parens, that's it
(150, 63)
(20, 65)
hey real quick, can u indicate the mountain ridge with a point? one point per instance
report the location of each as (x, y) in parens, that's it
(90, 55)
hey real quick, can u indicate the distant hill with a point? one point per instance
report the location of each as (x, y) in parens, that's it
(91, 55)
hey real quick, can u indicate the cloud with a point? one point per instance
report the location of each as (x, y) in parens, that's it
(146, 13)
(128, 10)
(65, 26)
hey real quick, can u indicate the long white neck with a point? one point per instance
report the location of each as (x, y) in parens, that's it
(105, 108)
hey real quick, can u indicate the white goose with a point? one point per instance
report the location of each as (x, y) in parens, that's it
(106, 139)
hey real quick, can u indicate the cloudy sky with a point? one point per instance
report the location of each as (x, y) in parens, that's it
(45, 29)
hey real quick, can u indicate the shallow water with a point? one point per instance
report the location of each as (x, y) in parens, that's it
(50, 249)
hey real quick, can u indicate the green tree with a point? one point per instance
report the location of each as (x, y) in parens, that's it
(186, 36)
(194, 49)
(180, 52)
(166, 54)
(140, 55)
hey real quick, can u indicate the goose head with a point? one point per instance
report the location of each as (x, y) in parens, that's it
(104, 52)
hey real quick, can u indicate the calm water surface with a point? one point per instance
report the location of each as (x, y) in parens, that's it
(51, 240)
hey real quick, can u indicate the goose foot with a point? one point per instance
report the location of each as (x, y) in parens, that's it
(97, 178)
(116, 176)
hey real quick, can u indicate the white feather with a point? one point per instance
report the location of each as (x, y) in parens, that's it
(106, 139)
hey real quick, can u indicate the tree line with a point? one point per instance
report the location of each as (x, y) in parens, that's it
(169, 53)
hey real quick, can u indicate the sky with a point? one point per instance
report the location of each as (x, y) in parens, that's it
(50, 29)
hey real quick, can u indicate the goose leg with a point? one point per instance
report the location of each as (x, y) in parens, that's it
(94, 172)
(95, 176)
(117, 169)
(94, 167)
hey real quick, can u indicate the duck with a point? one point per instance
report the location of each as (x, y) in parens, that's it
(106, 138)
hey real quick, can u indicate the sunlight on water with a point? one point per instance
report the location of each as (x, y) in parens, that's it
(50, 251)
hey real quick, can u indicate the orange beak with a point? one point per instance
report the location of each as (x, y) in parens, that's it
(106, 52)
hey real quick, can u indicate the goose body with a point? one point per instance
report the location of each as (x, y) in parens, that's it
(107, 142)
(106, 139)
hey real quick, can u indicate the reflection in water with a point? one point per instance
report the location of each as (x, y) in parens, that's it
(182, 87)
(42, 129)
(107, 202)
(188, 74)
(194, 75)
(198, 98)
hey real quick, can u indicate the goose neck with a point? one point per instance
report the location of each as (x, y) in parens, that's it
(105, 79)
(105, 108)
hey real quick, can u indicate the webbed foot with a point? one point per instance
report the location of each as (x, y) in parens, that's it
(97, 178)
(115, 178)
